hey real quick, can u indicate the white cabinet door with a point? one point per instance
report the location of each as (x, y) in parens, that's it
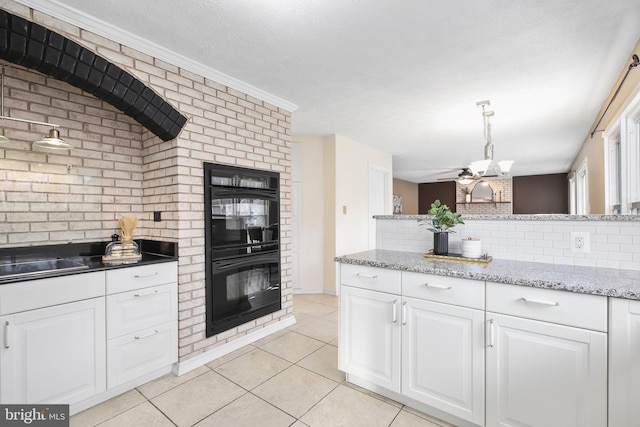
(544, 375)
(370, 336)
(443, 357)
(55, 354)
(624, 363)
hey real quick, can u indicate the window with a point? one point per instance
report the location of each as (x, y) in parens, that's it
(622, 162)
(582, 189)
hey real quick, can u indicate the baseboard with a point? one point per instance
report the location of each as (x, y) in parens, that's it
(189, 365)
(313, 291)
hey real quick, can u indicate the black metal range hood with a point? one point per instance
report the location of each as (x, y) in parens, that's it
(33, 46)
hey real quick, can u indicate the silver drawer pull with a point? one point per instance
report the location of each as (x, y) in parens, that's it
(8, 335)
(147, 294)
(444, 287)
(539, 301)
(142, 276)
(150, 334)
(367, 276)
(491, 334)
(395, 311)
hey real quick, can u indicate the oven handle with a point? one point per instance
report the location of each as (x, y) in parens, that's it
(245, 261)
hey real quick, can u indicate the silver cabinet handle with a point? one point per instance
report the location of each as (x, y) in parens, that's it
(8, 334)
(443, 287)
(491, 332)
(367, 276)
(539, 301)
(395, 311)
(142, 276)
(153, 292)
(404, 313)
(150, 334)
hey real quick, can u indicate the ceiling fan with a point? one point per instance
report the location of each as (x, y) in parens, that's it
(478, 169)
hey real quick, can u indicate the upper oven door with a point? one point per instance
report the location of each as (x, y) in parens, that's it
(242, 219)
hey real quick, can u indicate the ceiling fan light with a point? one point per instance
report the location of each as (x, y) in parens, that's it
(465, 181)
(53, 141)
(505, 166)
(480, 167)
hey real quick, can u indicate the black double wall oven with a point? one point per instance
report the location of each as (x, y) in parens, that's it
(242, 245)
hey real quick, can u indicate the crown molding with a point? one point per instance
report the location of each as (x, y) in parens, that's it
(80, 19)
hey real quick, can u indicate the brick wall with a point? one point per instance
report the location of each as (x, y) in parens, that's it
(121, 168)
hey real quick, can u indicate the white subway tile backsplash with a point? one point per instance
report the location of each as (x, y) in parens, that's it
(613, 244)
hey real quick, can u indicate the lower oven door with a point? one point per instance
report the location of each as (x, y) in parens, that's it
(242, 289)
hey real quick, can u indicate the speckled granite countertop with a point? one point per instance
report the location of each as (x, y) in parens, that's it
(586, 280)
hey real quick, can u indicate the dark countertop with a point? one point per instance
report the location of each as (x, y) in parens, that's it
(587, 280)
(77, 258)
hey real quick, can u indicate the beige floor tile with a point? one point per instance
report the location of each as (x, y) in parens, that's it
(334, 342)
(374, 395)
(315, 309)
(295, 390)
(324, 362)
(301, 320)
(333, 317)
(228, 357)
(263, 341)
(169, 381)
(347, 407)
(434, 420)
(198, 398)
(326, 299)
(299, 424)
(292, 346)
(407, 419)
(320, 329)
(248, 411)
(106, 410)
(144, 415)
(253, 368)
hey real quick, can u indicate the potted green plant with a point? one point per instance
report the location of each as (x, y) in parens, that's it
(441, 224)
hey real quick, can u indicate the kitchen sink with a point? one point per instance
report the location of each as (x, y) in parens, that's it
(41, 267)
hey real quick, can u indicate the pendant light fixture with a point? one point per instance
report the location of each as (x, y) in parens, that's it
(52, 141)
(480, 167)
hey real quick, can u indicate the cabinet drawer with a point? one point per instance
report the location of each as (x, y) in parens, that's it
(130, 278)
(449, 290)
(140, 353)
(566, 308)
(132, 311)
(39, 293)
(374, 278)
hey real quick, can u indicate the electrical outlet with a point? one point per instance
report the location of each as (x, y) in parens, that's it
(580, 242)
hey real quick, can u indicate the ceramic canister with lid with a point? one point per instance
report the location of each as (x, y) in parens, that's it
(471, 248)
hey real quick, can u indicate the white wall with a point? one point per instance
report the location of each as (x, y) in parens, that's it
(335, 173)
(353, 160)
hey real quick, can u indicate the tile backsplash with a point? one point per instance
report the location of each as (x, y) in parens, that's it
(613, 244)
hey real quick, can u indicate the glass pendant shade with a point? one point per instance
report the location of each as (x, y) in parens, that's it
(505, 166)
(480, 167)
(53, 141)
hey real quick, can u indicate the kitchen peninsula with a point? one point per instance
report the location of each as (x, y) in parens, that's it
(510, 342)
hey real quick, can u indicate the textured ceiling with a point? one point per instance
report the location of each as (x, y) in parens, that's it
(404, 76)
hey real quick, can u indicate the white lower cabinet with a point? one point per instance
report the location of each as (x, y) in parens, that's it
(443, 357)
(624, 363)
(142, 323)
(426, 351)
(541, 373)
(490, 354)
(54, 354)
(369, 342)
